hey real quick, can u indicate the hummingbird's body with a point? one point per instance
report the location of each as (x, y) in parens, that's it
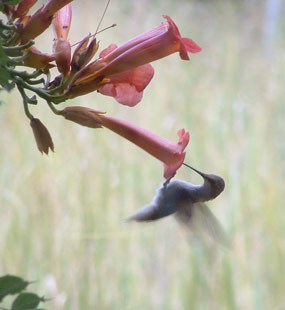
(186, 201)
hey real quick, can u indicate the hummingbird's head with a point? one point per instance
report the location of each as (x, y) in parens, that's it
(213, 184)
(217, 184)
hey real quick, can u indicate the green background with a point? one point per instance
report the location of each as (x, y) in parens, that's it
(62, 215)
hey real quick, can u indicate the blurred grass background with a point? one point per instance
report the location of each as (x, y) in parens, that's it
(62, 216)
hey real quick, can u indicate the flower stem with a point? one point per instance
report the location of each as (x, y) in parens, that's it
(17, 50)
(25, 100)
(54, 110)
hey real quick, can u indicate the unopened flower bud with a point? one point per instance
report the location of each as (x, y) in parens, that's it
(62, 54)
(23, 8)
(82, 116)
(62, 21)
(37, 59)
(40, 20)
(84, 53)
(42, 136)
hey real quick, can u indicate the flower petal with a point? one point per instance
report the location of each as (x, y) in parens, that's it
(127, 87)
(124, 93)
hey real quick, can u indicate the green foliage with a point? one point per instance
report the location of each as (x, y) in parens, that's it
(27, 301)
(10, 2)
(14, 285)
(4, 73)
(5, 77)
(3, 57)
(11, 285)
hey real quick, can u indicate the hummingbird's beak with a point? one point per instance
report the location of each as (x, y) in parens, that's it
(203, 175)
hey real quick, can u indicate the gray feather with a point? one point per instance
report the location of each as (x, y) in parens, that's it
(157, 209)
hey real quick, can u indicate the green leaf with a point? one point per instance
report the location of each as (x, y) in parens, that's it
(3, 57)
(11, 2)
(5, 77)
(10, 285)
(26, 301)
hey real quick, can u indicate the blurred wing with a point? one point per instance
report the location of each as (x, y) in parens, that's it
(199, 219)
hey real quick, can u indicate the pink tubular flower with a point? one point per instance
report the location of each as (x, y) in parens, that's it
(152, 45)
(170, 153)
(126, 87)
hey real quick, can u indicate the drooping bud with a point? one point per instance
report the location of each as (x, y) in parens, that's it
(42, 136)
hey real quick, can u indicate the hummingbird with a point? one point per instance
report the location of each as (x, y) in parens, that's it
(186, 201)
